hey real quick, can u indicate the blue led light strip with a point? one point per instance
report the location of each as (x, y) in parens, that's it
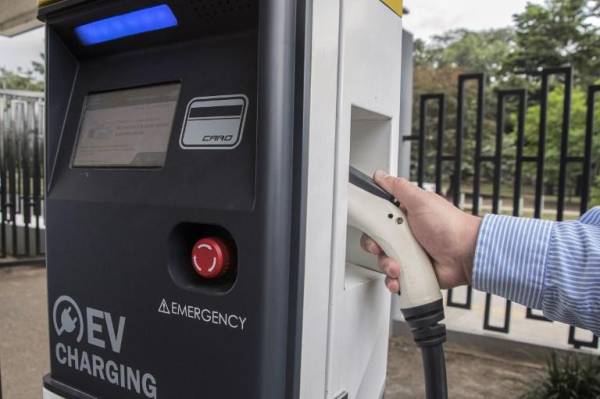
(129, 24)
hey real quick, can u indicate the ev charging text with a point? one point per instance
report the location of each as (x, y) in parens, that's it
(102, 330)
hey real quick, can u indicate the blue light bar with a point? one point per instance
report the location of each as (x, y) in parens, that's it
(129, 24)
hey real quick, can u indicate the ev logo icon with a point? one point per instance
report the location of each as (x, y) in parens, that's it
(70, 317)
(100, 326)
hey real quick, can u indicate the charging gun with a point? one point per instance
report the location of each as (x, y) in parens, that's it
(376, 213)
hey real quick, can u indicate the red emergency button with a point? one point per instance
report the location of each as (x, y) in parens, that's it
(210, 257)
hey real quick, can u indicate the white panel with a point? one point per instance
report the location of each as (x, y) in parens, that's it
(321, 155)
(46, 394)
(370, 65)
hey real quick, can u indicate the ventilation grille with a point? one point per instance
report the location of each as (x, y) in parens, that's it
(210, 9)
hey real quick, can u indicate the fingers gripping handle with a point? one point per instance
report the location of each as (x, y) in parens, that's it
(386, 224)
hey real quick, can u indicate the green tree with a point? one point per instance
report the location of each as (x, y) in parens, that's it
(29, 79)
(437, 67)
(482, 51)
(558, 33)
(553, 138)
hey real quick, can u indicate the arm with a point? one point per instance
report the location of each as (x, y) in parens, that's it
(552, 266)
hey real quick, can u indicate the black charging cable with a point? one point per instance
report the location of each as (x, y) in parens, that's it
(430, 336)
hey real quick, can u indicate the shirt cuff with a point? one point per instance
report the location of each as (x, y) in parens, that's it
(510, 258)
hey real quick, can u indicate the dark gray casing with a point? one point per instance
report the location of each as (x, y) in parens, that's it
(116, 237)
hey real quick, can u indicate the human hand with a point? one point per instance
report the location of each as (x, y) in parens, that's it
(446, 233)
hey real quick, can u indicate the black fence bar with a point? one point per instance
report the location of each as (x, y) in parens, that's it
(27, 261)
(541, 153)
(587, 157)
(585, 192)
(26, 190)
(458, 158)
(3, 189)
(423, 101)
(529, 159)
(564, 142)
(567, 73)
(421, 137)
(13, 190)
(519, 158)
(502, 97)
(37, 192)
(480, 78)
(21, 179)
(421, 140)
(441, 127)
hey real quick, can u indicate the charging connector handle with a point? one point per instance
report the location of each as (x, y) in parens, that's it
(385, 223)
(374, 212)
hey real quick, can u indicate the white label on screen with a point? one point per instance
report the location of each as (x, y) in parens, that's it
(214, 122)
(127, 128)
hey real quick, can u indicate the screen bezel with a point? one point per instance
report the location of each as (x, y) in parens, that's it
(84, 108)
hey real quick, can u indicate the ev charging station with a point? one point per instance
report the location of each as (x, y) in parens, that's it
(199, 240)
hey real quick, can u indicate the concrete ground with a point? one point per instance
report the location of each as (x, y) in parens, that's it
(473, 371)
(24, 355)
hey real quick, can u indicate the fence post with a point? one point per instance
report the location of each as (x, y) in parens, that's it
(21, 175)
(458, 158)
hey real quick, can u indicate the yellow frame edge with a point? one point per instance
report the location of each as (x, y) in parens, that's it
(396, 6)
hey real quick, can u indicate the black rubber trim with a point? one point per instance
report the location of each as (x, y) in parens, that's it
(300, 179)
(361, 180)
(417, 311)
(66, 391)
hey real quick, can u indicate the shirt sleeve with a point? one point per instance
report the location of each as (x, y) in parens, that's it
(552, 266)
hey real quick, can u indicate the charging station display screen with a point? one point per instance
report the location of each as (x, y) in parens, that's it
(127, 128)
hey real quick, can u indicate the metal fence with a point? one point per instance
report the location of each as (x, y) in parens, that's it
(21, 174)
(497, 159)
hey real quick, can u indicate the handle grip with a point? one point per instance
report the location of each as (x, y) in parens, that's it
(387, 226)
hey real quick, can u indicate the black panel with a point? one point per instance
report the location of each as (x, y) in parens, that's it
(205, 179)
(115, 236)
(197, 18)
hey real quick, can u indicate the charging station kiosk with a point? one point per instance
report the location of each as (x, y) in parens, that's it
(197, 177)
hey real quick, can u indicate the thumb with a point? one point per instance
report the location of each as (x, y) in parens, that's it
(408, 194)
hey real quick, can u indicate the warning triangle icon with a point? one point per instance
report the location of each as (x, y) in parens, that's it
(163, 308)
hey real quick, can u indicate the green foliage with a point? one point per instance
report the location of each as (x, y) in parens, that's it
(555, 33)
(553, 135)
(30, 79)
(438, 65)
(467, 50)
(558, 33)
(568, 378)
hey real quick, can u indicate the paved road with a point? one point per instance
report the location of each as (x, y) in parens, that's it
(472, 373)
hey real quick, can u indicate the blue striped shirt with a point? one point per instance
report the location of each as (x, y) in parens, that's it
(551, 266)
